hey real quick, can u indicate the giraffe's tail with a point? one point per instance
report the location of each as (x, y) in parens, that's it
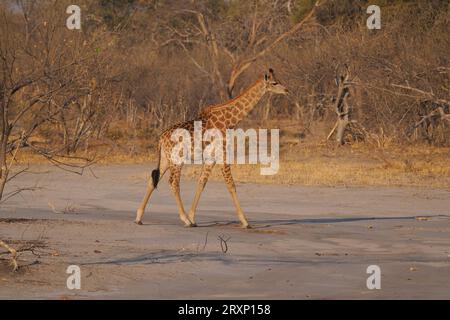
(156, 173)
(155, 177)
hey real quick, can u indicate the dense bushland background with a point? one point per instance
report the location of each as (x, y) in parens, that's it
(137, 66)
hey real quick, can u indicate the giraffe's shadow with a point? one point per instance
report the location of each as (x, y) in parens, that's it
(162, 257)
(267, 223)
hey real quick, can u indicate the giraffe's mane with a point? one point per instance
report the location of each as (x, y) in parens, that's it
(225, 104)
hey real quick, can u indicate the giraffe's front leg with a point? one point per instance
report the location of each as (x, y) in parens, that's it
(226, 172)
(206, 171)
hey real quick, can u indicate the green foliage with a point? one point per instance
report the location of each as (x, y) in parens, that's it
(227, 9)
(301, 9)
(114, 12)
(216, 7)
(330, 11)
(346, 12)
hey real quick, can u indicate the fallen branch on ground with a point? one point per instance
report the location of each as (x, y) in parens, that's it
(70, 208)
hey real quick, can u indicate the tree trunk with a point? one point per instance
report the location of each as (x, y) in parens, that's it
(3, 164)
(341, 126)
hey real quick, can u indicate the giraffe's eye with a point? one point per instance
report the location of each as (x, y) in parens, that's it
(274, 83)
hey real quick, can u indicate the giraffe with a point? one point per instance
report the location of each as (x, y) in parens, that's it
(222, 117)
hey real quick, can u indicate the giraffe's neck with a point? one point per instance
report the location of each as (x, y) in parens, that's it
(249, 99)
(238, 108)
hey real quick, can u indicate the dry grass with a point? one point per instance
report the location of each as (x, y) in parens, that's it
(312, 163)
(354, 168)
(373, 163)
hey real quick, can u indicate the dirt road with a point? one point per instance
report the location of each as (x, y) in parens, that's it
(307, 242)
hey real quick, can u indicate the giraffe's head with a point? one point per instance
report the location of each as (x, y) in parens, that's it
(273, 85)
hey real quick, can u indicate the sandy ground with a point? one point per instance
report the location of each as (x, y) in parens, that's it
(307, 242)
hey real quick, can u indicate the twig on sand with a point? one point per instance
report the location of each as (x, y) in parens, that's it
(70, 208)
(204, 244)
(223, 243)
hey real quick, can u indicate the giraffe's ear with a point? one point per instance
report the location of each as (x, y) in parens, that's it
(269, 76)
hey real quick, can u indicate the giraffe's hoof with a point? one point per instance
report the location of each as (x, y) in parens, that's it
(138, 223)
(190, 225)
(246, 226)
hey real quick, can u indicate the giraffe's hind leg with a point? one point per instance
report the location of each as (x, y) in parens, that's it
(174, 181)
(151, 186)
(226, 172)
